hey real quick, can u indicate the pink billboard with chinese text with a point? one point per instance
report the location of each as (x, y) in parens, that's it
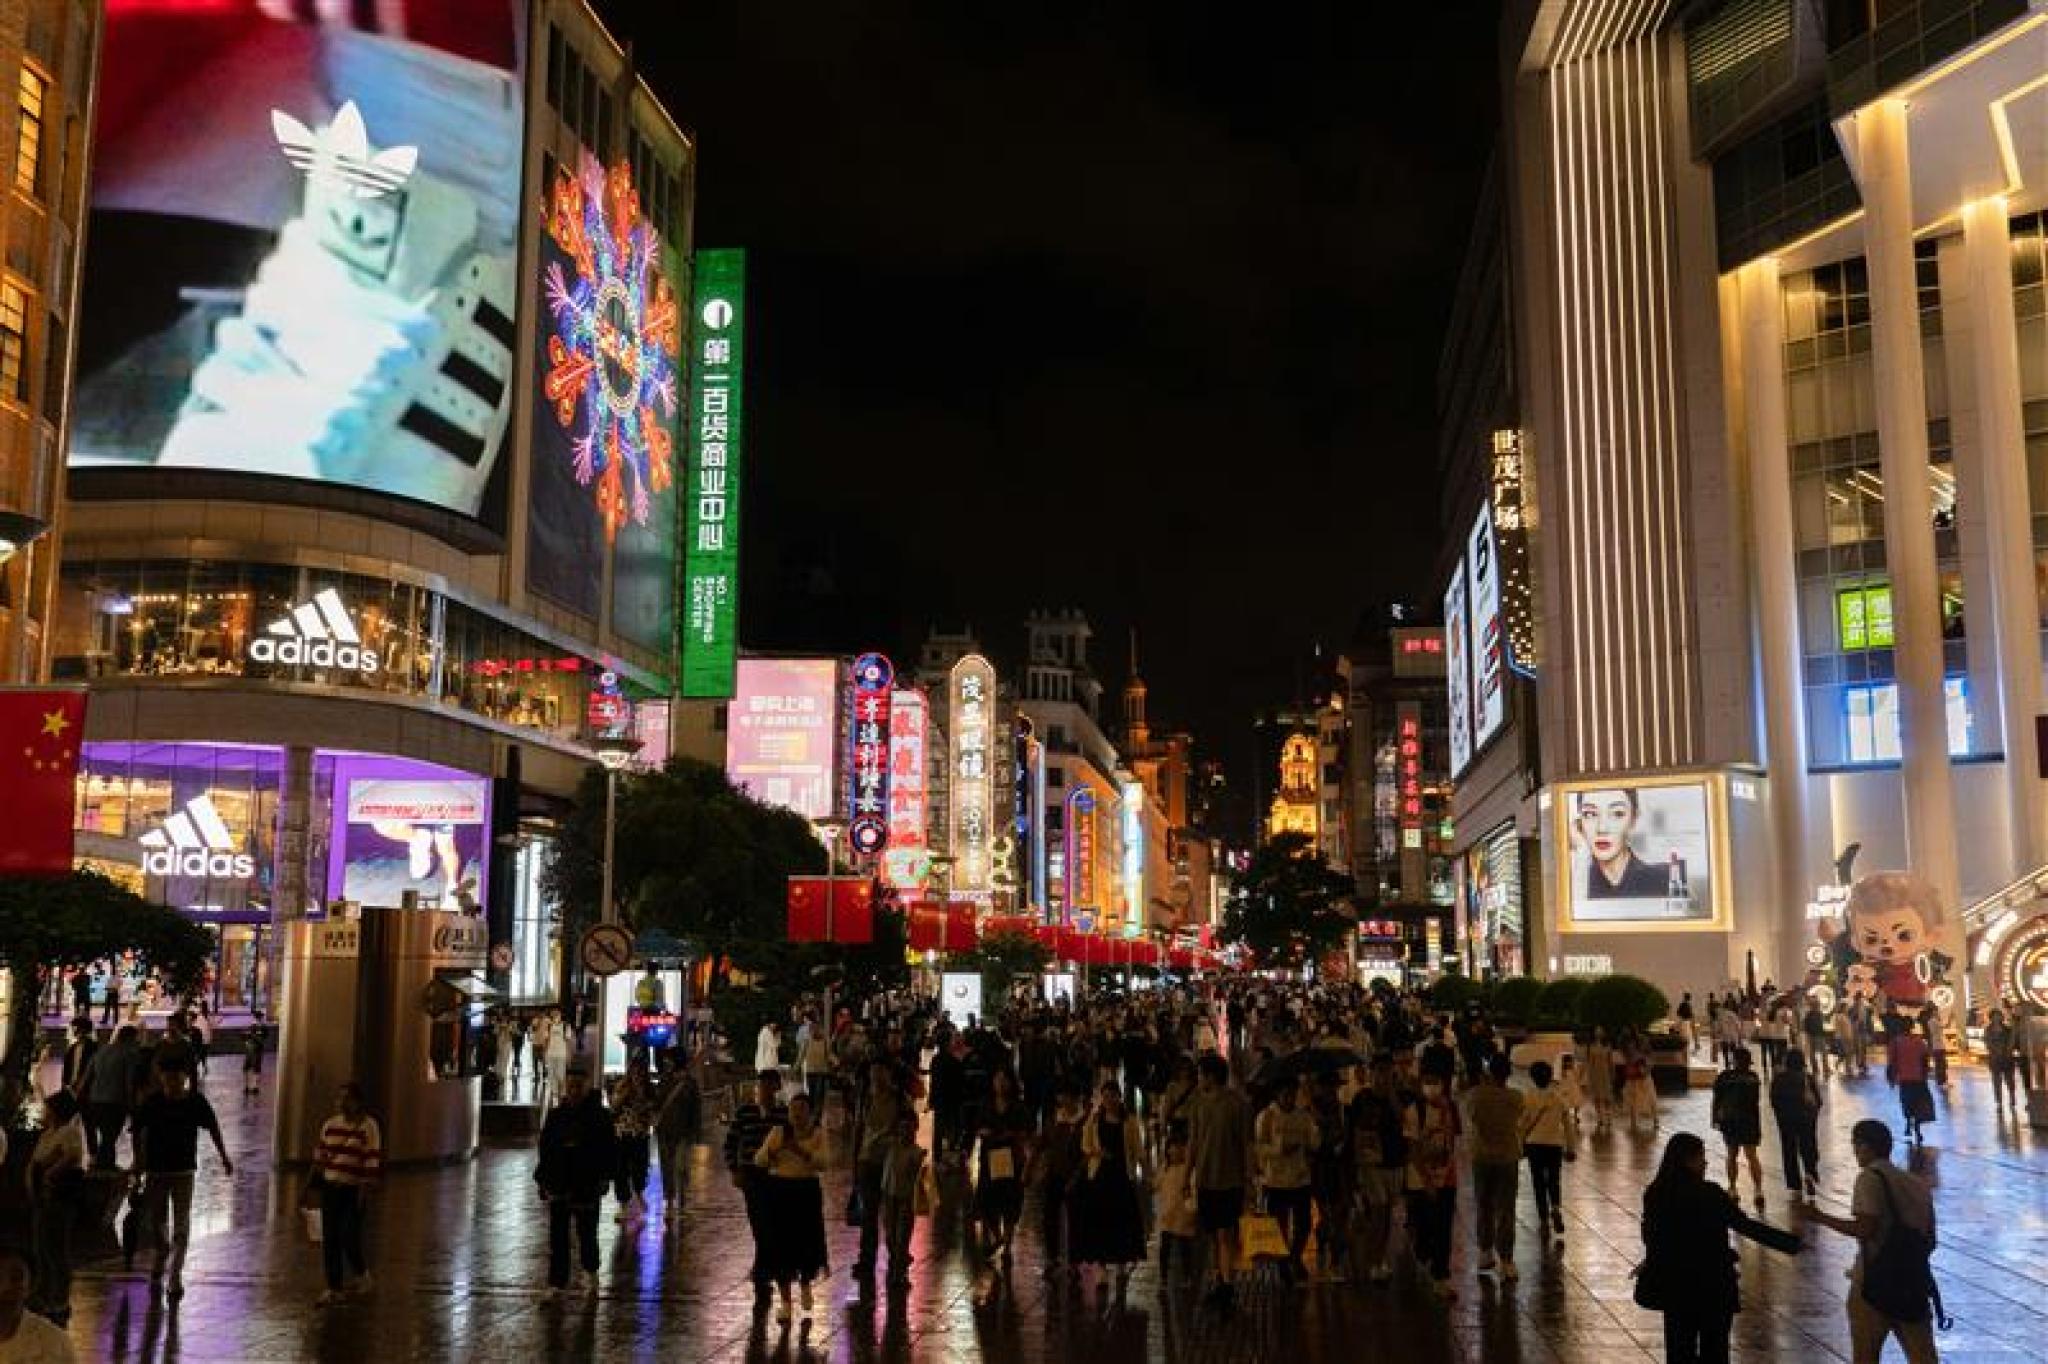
(782, 733)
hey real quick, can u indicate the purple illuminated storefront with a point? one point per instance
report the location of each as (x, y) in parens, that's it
(202, 827)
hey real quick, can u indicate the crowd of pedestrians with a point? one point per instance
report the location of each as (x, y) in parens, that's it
(1299, 1134)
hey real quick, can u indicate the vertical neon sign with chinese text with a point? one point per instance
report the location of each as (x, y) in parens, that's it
(972, 696)
(868, 774)
(711, 545)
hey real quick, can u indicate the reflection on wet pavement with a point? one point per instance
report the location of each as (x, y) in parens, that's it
(459, 1257)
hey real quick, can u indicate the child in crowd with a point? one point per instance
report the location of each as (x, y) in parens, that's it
(905, 1195)
(1571, 1090)
(1177, 1229)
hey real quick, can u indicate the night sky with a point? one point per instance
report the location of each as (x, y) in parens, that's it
(1132, 307)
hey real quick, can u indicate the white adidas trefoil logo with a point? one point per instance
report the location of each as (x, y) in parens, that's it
(339, 155)
(315, 634)
(194, 842)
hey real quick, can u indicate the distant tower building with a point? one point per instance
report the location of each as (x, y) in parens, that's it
(1294, 809)
(1137, 734)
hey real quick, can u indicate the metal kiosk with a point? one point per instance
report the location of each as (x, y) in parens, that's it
(391, 1000)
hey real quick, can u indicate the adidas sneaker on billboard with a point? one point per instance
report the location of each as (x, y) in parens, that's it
(374, 347)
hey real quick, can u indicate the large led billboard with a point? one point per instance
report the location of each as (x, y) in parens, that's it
(1488, 645)
(1458, 671)
(1644, 853)
(408, 827)
(304, 243)
(782, 733)
(604, 435)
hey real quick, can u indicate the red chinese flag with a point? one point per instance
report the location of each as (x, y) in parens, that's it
(963, 929)
(807, 908)
(853, 912)
(39, 736)
(927, 925)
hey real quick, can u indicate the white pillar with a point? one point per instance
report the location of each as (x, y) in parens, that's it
(1900, 380)
(1776, 570)
(2008, 525)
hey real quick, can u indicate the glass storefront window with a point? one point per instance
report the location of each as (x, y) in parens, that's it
(154, 619)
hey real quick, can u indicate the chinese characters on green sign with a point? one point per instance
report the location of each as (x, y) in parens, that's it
(711, 552)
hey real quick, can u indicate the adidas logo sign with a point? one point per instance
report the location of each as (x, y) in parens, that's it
(194, 842)
(315, 634)
(339, 155)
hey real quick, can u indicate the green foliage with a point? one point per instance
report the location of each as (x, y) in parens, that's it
(55, 923)
(1005, 956)
(1514, 999)
(1451, 992)
(1557, 1006)
(1289, 906)
(691, 855)
(1617, 1003)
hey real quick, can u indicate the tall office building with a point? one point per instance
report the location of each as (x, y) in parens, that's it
(1781, 464)
(52, 49)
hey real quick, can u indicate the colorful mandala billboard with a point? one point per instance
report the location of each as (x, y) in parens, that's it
(604, 441)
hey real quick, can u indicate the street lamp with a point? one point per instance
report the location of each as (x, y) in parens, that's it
(613, 752)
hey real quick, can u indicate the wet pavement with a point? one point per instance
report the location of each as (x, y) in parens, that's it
(459, 1258)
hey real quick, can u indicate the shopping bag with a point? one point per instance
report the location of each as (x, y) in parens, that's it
(1262, 1238)
(313, 1224)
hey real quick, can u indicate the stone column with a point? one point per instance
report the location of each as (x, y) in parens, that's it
(294, 897)
(2002, 448)
(1900, 381)
(1775, 565)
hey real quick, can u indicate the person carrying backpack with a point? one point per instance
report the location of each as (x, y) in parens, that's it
(1891, 1288)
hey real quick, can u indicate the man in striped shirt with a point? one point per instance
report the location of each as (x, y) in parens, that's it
(750, 1126)
(349, 1159)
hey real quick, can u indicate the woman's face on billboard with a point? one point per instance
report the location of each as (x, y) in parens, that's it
(1606, 818)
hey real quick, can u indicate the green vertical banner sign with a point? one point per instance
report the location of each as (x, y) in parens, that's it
(711, 544)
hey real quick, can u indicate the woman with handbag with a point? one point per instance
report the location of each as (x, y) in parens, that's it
(1688, 1269)
(1003, 1138)
(1109, 1226)
(1795, 1103)
(793, 1204)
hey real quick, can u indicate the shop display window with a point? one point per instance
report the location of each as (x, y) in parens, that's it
(202, 619)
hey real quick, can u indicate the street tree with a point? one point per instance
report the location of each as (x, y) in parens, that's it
(1289, 906)
(59, 923)
(692, 855)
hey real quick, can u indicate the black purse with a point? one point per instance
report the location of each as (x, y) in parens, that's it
(1649, 1291)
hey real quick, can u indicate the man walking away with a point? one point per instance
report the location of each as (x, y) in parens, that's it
(1891, 1215)
(255, 1038)
(577, 1160)
(106, 1086)
(167, 1128)
(2002, 1059)
(1496, 1166)
(1219, 1169)
(743, 1137)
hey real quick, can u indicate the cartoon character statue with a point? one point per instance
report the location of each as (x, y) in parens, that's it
(1893, 924)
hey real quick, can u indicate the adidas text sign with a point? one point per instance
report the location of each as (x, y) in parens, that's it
(194, 842)
(315, 634)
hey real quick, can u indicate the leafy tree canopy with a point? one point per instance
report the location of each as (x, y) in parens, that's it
(705, 861)
(1289, 906)
(61, 922)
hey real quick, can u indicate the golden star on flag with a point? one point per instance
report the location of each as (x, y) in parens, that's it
(55, 723)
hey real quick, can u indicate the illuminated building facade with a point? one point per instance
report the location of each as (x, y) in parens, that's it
(53, 49)
(1775, 419)
(366, 617)
(1297, 801)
